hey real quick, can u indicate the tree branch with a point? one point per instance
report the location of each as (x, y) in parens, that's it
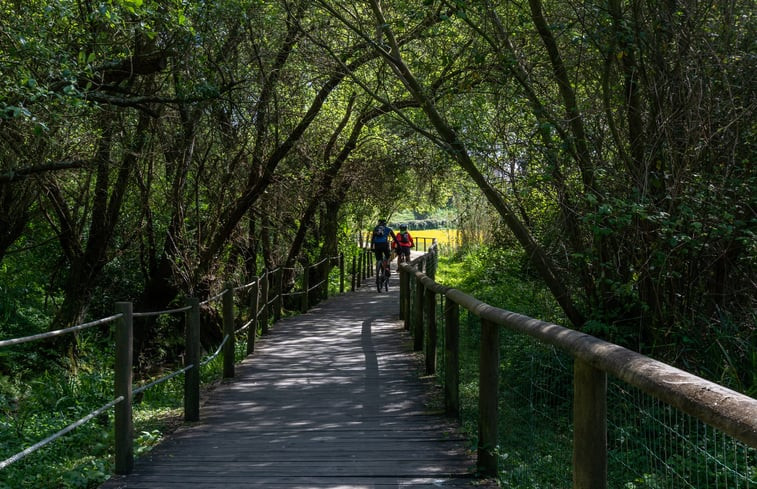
(23, 173)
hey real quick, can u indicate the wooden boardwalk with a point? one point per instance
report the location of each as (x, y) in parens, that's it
(330, 399)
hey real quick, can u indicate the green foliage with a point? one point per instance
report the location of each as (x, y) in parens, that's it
(529, 424)
(535, 409)
(503, 278)
(35, 409)
(31, 411)
(653, 232)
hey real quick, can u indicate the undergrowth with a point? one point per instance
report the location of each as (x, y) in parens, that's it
(33, 407)
(535, 396)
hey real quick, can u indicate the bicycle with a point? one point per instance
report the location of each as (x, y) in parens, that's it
(382, 275)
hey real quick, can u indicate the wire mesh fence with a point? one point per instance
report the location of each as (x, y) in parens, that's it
(651, 445)
(655, 446)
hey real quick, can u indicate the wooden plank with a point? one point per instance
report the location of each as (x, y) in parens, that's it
(330, 399)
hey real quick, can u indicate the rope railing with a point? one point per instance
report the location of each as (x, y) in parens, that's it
(160, 313)
(28, 451)
(321, 262)
(51, 334)
(161, 380)
(134, 391)
(210, 358)
(310, 289)
(292, 294)
(268, 281)
(245, 326)
(212, 299)
(246, 286)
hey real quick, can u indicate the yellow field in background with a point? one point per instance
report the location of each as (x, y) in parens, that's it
(444, 237)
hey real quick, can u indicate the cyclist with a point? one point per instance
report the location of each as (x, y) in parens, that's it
(404, 242)
(380, 240)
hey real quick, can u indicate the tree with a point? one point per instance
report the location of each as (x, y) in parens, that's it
(600, 120)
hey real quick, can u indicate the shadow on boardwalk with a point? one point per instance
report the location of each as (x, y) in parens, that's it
(330, 399)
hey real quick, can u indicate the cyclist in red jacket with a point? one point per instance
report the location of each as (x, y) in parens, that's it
(404, 242)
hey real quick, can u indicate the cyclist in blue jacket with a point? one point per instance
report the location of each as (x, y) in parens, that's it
(380, 240)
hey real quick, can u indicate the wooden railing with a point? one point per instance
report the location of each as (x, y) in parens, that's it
(264, 303)
(428, 243)
(728, 411)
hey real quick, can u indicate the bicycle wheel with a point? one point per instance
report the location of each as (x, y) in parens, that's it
(379, 276)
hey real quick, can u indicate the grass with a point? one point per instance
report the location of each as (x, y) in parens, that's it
(83, 458)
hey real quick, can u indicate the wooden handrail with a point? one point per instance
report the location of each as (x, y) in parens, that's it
(724, 409)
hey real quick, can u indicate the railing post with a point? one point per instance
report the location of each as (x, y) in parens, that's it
(228, 330)
(366, 256)
(452, 358)
(360, 267)
(487, 399)
(278, 280)
(124, 424)
(403, 291)
(264, 299)
(430, 306)
(354, 271)
(434, 261)
(418, 319)
(341, 273)
(192, 357)
(305, 286)
(589, 427)
(406, 299)
(252, 332)
(324, 273)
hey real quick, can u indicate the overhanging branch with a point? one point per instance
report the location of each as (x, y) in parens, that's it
(22, 173)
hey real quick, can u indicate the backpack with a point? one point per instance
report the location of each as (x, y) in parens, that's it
(403, 238)
(379, 231)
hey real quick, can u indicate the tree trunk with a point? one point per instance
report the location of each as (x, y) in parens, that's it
(457, 150)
